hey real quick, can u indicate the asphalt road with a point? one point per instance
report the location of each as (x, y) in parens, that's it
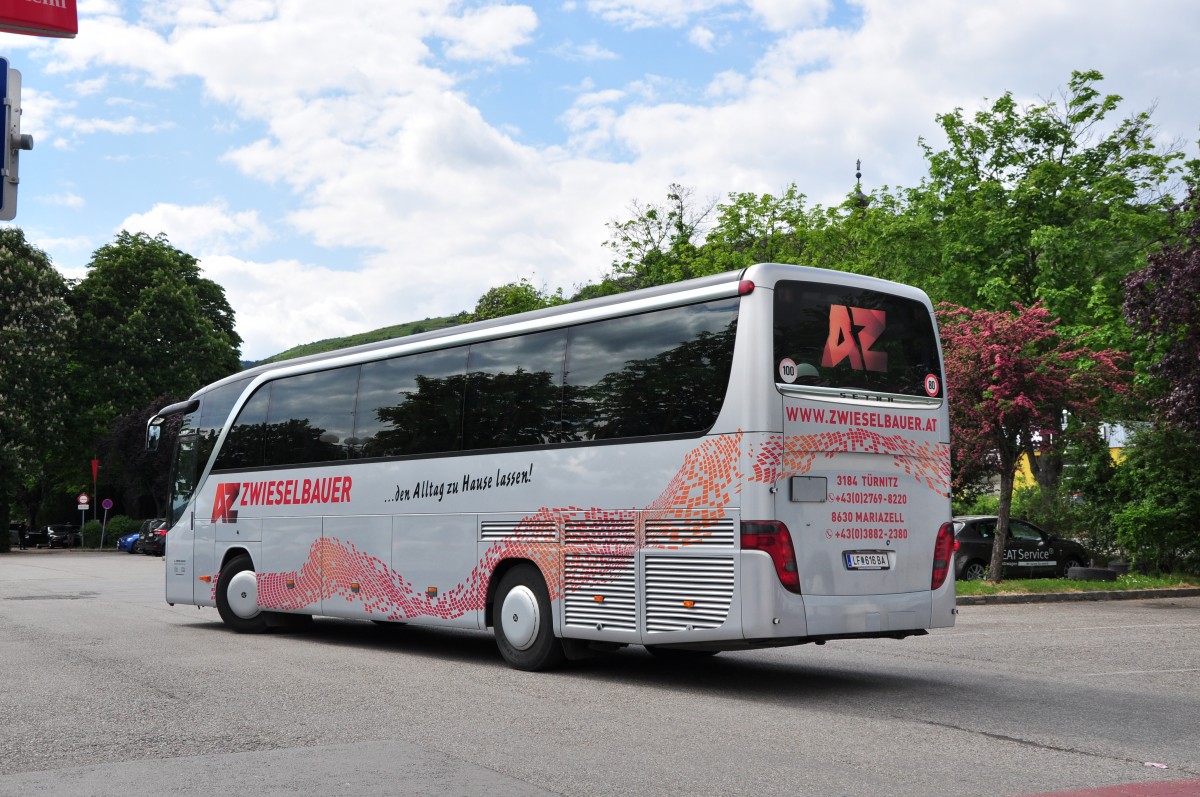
(109, 691)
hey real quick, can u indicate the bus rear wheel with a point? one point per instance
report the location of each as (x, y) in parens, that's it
(523, 622)
(237, 597)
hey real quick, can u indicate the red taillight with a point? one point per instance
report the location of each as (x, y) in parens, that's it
(774, 539)
(943, 555)
(745, 287)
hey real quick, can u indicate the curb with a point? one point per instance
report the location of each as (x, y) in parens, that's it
(1068, 597)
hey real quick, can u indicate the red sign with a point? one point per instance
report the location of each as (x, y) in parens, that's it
(39, 17)
(83, 499)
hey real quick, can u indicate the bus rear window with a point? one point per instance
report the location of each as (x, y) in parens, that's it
(839, 337)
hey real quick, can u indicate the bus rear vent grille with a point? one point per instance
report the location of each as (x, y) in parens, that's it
(692, 532)
(533, 530)
(599, 532)
(600, 592)
(686, 593)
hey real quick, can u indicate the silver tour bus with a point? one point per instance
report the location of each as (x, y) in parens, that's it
(752, 459)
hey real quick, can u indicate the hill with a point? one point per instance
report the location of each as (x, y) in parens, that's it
(397, 331)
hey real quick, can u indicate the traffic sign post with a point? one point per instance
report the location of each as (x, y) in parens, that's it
(84, 501)
(107, 504)
(11, 140)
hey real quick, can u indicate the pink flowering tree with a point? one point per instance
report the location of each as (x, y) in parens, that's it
(1010, 378)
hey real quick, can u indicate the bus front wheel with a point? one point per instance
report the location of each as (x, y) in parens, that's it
(523, 621)
(237, 597)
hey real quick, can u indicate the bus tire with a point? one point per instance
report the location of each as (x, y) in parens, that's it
(237, 597)
(523, 621)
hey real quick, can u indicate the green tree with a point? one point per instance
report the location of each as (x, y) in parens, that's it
(148, 324)
(35, 323)
(1156, 507)
(883, 235)
(751, 229)
(660, 243)
(1041, 204)
(139, 475)
(513, 298)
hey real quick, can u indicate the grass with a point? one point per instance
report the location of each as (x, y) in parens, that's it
(1020, 585)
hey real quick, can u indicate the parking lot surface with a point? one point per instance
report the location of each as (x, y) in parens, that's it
(110, 691)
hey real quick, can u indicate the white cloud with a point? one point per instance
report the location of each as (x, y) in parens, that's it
(67, 200)
(570, 51)
(702, 37)
(363, 125)
(775, 15)
(284, 303)
(201, 230)
(651, 13)
(86, 8)
(86, 88)
(124, 126)
(780, 15)
(491, 33)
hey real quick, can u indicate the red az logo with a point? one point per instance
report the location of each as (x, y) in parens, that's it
(223, 511)
(843, 342)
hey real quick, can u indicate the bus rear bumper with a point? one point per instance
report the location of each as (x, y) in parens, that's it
(831, 615)
(775, 613)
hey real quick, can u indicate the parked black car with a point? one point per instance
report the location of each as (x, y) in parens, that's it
(153, 537)
(1030, 551)
(57, 535)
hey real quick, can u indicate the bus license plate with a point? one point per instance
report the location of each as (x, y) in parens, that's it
(867, 560)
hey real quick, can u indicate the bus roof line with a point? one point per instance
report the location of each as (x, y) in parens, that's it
(701, 289)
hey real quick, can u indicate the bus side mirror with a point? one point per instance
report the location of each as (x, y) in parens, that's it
(153, 432)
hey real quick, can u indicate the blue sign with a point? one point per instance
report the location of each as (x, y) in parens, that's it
(107, 504)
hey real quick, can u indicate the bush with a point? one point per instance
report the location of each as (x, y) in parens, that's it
(977, 505)
(91, 534)
(1088, 523)
(1157, 487)
(120, 525)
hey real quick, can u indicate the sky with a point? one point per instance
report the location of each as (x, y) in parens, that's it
(343, 166)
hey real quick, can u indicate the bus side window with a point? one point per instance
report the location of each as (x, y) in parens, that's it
(664, 372)
(311, 417)
(514, 391)
(411, 405)
(243, 446)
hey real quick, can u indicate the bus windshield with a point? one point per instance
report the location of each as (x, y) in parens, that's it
(198, 432)
(845, 338)
(184, 472)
